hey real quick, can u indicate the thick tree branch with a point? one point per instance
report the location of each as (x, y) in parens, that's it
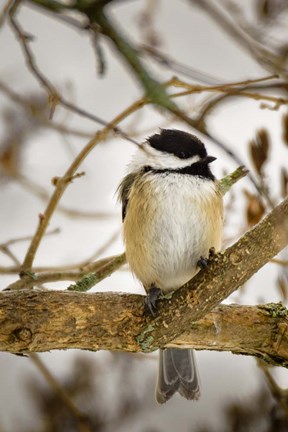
(228, 271)
(118, 321)
(46, 320)
(120, 316)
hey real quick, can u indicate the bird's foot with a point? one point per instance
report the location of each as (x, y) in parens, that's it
(203, 262)
(151, 299)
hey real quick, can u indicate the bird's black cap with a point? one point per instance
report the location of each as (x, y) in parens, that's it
(179, 143)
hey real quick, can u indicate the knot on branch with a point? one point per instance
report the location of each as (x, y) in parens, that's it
(236, 258)
(22, 334)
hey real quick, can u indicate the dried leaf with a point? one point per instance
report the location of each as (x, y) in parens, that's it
(263, 8)
(254, 209)
(11, 150)
(270, 9)
(146, 20)
(284, 182)
(259, 149)
(285, 128)
(20, 123)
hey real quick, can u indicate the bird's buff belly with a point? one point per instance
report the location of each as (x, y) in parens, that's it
(170, 261)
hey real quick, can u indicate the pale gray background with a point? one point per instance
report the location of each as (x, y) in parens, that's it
(67, 57)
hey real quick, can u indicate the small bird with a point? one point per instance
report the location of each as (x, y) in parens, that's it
(172, 217)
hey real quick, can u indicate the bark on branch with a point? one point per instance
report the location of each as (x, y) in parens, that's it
(46, 320)
(36, 320)
(228, 270)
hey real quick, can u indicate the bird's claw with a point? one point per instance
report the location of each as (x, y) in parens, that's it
(151, 300)
(203, 262)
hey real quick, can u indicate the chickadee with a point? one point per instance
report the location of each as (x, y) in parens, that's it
(172, 216)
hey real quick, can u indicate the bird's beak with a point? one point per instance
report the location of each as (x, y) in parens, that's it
(209, 159)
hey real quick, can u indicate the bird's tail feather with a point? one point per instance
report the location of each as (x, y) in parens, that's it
(177, 373)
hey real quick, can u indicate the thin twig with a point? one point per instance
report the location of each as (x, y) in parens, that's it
(240, 90)
(101, 249)
(86, 278)
(176, 82)
(26, 104)
(27, 238)
(155, 93)
(23, 38)
(82, 419)
(176, 66)
(208, 106)
(278, 101)
(101, 64)
(88, 266)
(5, 11)
(153, 88)
(54, 97)
(41, 193)
(63, 183)
(4, 248)
(281, 395)
(279, 261)
(142, 49)
(58, 14)
(259, 51)
(89, 280)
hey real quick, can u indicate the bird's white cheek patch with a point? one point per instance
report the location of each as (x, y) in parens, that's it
(148, 156)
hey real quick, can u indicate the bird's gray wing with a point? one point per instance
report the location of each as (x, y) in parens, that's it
(124, 190)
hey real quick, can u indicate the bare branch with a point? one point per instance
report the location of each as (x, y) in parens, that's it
(259, 51)
(5, 11)
(226, 89)
(154, 91)
(119, 321)
(54, 96)
(63, 183)
(86, 277)
(110, 321)
(44, 195)
(224, 275)
(174, 65)
(29, 106)
(280, 394)
(88, 265)
(82, 419)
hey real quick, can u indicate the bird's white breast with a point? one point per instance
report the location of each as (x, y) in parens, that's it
(171, 221)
